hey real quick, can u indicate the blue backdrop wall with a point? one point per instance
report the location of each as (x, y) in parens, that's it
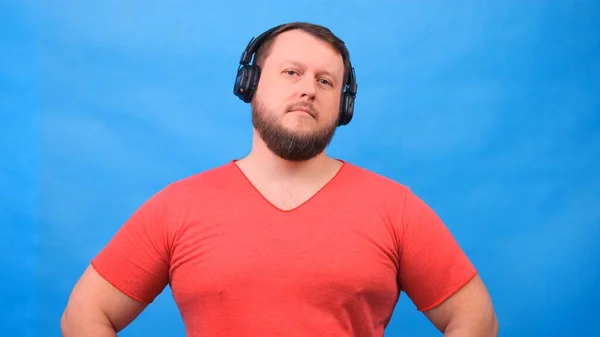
(490, 112)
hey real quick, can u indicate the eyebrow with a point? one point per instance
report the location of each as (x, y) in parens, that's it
(322, 72)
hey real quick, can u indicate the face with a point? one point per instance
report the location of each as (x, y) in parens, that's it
(297, 102)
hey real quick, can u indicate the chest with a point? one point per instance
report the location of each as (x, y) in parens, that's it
(318, 257)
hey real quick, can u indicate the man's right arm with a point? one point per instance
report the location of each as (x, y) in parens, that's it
(97, 309)
(126, 275)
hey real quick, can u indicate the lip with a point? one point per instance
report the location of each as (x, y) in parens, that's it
(306, 111)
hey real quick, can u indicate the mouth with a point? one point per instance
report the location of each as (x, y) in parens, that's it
(303, 111)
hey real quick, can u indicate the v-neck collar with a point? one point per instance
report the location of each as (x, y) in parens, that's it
(319, 192)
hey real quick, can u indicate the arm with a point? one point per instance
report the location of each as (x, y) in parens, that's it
(97, 309)
(467, 313)
(124, 277)
(439, 277)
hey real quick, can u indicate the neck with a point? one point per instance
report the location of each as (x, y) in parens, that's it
(262, 161)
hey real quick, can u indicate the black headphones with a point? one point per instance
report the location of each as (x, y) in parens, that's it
(248, 75)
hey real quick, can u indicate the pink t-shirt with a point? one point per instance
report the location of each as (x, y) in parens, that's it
(238, 266)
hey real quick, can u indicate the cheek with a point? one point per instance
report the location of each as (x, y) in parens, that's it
(333, 106)
(274, 97)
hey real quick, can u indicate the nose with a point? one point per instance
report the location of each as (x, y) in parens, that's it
(307, 87)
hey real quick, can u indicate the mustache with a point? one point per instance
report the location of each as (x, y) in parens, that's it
(303, 105)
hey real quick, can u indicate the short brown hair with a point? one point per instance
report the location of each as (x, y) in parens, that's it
(320, 32)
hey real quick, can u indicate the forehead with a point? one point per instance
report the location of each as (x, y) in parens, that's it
(301, 47)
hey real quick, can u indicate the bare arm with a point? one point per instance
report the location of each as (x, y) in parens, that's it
(97, 309)
(467, 313)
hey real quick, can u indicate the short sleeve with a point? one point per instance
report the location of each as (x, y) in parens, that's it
(136, 259)
(432, 264)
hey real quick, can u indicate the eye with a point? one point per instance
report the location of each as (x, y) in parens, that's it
(326, 82)
(291, 72)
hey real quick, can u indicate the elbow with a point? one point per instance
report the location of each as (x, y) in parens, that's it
(79, 322)
(488, 326)
(69, 323)
(494, 326)
(64, 324)
(480, 326)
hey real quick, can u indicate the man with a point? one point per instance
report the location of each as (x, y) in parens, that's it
(286, 241)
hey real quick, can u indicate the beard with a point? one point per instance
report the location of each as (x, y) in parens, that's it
(286, 144)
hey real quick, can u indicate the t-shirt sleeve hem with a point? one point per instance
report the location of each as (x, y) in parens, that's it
(447, 295)
(117, 286)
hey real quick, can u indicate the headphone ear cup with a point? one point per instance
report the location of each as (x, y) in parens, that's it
(240, 85)
(346, 109)
(246, 82)
(254, 77)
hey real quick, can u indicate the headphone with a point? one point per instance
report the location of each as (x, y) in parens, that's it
(248, 75)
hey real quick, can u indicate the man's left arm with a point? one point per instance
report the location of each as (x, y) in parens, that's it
(438, 276)
(467, 313)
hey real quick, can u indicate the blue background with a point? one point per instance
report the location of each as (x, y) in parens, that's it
(489, 112)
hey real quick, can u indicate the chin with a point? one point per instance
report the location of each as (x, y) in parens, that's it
(299, 120)
(300, 128)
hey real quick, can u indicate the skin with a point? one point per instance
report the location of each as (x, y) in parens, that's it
(467, 313)
(300, 72)
(97, 309)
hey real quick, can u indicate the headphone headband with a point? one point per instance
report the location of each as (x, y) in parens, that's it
(254, 44)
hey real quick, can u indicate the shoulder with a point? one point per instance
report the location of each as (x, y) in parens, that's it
(373, 183)
(198, 187)
(379, 190)
(213, 176)
(374, 192)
